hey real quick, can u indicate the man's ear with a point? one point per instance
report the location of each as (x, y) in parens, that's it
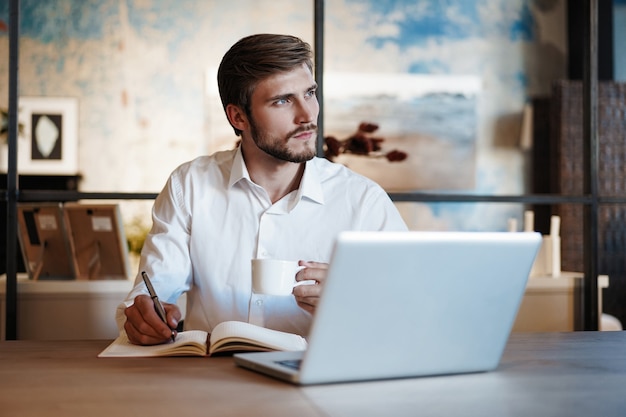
(237, 117)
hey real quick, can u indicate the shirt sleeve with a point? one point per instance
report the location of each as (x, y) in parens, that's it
(379, 213)
(165, 254)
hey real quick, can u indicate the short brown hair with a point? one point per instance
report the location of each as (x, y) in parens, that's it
(255, 58)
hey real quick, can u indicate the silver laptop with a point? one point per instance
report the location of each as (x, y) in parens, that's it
(408, 304)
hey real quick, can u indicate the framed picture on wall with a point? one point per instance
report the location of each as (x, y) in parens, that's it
(49, 143)
(407, 131)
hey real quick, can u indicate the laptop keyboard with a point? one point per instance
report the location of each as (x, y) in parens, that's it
(291, 363)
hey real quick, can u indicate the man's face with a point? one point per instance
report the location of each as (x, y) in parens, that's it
(283, 119)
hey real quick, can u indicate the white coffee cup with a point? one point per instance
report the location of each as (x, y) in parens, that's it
(274, 276)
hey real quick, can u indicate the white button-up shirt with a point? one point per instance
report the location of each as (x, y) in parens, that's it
(210, 220)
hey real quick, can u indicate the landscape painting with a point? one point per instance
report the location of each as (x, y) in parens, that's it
(405, 131)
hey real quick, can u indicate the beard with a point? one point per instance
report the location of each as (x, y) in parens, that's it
(277, 147)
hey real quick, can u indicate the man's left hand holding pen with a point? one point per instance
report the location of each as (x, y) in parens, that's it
(144, 326)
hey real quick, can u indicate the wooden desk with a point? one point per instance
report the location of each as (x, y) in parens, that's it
(541, 374)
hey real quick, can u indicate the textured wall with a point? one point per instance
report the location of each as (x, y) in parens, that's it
(139, 69)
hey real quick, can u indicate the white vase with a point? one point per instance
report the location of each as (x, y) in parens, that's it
(4, 156)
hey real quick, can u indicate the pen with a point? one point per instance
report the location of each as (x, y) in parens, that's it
(157, 304)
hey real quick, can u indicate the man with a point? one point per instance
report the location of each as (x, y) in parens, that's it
(269, 198)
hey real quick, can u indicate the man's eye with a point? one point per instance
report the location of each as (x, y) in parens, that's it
(281, 101)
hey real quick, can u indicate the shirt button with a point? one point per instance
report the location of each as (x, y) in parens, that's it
(259, 302)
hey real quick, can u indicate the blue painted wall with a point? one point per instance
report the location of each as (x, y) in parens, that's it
(619, 39)
(143, 72)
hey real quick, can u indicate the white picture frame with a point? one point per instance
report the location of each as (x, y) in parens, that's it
(49, 142)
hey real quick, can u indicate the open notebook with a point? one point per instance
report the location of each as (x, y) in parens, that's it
(406, 304)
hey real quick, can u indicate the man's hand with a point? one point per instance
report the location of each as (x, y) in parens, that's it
(143, 325)
(308, 296)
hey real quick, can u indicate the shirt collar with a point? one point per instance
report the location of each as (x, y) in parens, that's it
(310, 186)
(238, 171)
